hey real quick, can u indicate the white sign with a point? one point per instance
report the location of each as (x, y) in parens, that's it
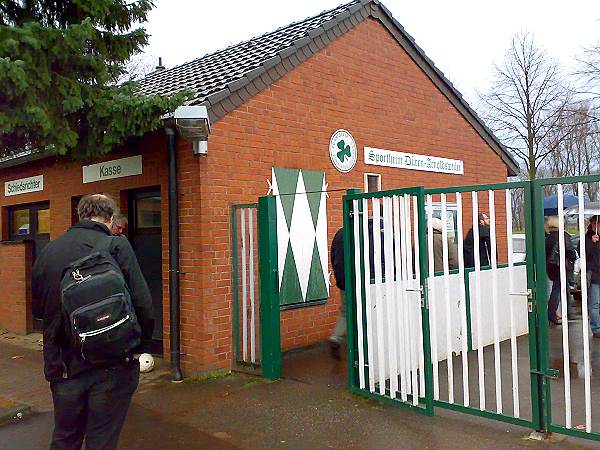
(411, 161)
(116, 168)
(24, 185)
(342, 151)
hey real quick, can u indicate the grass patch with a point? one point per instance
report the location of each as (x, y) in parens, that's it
(208, 376)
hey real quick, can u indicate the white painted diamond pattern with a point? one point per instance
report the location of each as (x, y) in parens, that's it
(302, 235)
(283, 234)
(321, 234)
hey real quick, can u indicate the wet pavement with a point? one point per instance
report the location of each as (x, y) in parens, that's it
(310, 408)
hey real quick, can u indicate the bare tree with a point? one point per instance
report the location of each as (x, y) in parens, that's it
(137, 68)
(526, 102)
(575, 144)
(588, 74)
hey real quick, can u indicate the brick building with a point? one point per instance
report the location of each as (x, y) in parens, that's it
(274, 102)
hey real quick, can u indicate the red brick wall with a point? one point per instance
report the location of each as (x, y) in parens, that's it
(15, 279)
(363, 82)
(63, 181)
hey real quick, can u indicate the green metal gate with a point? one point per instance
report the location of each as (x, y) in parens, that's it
(423, 336)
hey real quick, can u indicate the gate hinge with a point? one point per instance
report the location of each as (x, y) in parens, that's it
(551, 373)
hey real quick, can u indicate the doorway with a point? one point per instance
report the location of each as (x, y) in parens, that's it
(30, 222)
(146, 239)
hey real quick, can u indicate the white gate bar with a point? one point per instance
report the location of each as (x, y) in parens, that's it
(463, 301)
(584, 310)
(511, 300)
(449, 356)
(378, 282)
(404, 298)
(564, 305)
(495, 315)
(414, 357)
(252, 285)
(432, 300)
(401, 306)
(418, 284)
(244, 290)
(358, 295)
(368, 301)
(477, 260)
(389, 294)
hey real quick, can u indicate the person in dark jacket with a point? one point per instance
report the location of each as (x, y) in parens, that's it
(337, 262)
(89, 401)
(592, 258)
(553, 266)
(485, 246)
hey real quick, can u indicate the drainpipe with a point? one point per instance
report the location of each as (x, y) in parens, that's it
(173, 260)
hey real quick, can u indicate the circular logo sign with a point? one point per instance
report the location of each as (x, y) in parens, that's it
(342, 151)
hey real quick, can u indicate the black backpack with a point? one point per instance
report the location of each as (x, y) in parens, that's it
(97, 307)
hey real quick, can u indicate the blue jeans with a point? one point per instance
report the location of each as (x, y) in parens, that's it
(594, 307)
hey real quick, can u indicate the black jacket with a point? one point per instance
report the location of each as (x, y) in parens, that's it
(592, 256)
(337, 255)
(553, 270)
(59, 358)
(485, 247)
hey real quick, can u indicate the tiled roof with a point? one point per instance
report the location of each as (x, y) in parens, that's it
(210, 73)
(225, 79)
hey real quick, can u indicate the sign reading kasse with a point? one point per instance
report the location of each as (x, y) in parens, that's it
(24, 185)
(411, 161)
(116, 168)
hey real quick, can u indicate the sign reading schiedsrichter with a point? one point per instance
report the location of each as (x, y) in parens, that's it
(116, 168)
(411, 161)
(24, 185)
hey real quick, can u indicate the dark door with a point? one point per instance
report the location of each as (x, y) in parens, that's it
(31, 222)
(145, 238)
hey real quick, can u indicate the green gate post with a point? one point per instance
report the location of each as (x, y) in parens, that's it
(543, 405)
(269, 289)
(349, 217)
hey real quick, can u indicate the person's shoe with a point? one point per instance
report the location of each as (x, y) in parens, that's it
(597, 334)
(556, 322)
(334, 350)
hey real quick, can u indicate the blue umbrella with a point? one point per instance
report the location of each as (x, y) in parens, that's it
(551, 203)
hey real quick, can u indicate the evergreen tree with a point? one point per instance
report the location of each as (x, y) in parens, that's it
(59, 62)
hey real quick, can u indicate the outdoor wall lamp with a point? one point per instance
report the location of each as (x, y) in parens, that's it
(193, 124)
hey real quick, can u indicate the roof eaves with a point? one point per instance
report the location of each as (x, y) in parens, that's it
(451, 92)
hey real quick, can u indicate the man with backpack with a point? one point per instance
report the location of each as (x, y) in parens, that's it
(88, 288)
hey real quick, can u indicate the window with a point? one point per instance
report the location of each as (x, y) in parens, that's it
(451, 217)
(21, 222)
(147, 212)
(372, 182)
(29, 221)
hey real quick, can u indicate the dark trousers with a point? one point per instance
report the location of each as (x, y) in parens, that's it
(554, 301)
(93, 405)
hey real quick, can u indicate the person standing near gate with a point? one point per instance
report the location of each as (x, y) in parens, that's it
(438, 248)
(553, 258)
(485, 246)
(592, 258)
(94, 279)
(337, 262)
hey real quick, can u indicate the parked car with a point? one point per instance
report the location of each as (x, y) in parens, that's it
(519, 248)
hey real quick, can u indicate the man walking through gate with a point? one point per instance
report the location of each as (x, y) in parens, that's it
(485, 246)
(92, 381)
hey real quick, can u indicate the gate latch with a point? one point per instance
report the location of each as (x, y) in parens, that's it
(551, 373)
(528, 294)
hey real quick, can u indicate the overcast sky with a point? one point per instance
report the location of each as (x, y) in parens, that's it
(464, 38)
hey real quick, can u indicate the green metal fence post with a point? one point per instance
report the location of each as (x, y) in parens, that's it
(423, 270)
(235, 276)
(269, 288)
(349, 217)
(538, 324)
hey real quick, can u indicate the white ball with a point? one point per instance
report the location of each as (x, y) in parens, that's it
(146, 362)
